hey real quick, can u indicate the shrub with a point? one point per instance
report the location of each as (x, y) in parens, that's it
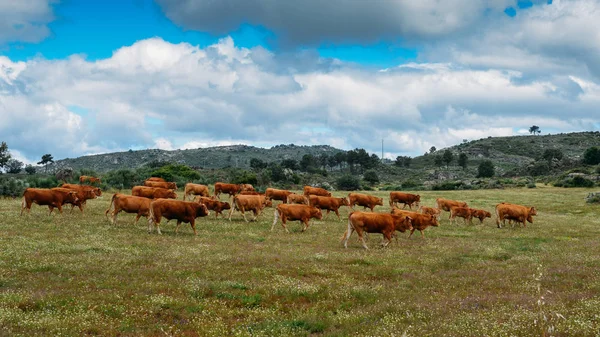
(348, 183)
(410, 184)
(371, 177)
(591, 156)
(540, 168)
(485, 169)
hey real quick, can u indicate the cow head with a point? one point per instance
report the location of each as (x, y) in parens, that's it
(72, 197)
(172, 186)
(97, 191)
(379, 202)
(344, 202)
(172, 194)
(434, 220)
(89, 194)
(402, 223)
(225, 205)
(531, 213)
(267, 202)
(201, 210)
(316, 213)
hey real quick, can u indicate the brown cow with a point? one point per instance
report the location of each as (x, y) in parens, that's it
(383, 223)
(231, 189)
(462, 212)
(480, 214)
(182, 211)
(328, 203)
(296, 212)
(195, 189)
(250, 193)
(97, 191)
(213, 205)
(254, 203)
(128, 204)
(90, 179)
(45, 197)
(167, 185)
(517, 213)
(309, 190)
(82, 196)
(275, 194)
(431, 211)
(153, 192)
(419, 221)
(405, 199)
(247, 188)
(447, 204)
(297, 199)
(156, 179)
(364, 200)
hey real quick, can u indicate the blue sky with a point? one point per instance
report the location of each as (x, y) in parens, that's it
(114, 75)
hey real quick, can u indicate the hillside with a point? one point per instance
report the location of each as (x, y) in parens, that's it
(211, 157)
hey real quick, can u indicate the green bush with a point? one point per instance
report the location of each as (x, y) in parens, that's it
(371, 177)
(485, 169)
(408, 184)
(348, 183)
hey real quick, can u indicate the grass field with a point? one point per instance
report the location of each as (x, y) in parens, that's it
(78, 275)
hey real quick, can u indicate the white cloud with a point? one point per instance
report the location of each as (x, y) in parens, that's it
(159, 94)
(24, 21)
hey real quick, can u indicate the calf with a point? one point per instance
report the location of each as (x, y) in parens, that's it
(213, 205)
(405, 199)
(447, 204)
(275, 194)
(231, 189)
(90, 179)
(297, 199)
(328, 203)
(461, 212)
(309, 190)
(254, 203)
(420, 221)
(128, 204)
(182, 211)
(97, 191)
(153, 192)
(156, 179)
(56, 197)
(247, 188)
(480, 214)
(82, 196)
(296, 212)
(160, 184)
(383, 223)
(517, 213)
(431, 211)
(364, 200)
(195, 189)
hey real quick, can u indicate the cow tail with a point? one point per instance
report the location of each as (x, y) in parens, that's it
(275, 218)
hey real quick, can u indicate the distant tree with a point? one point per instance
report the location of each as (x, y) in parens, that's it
(277, 173)
(432, 149)
(534, 129)
(291, 164)
(371, 177)
(309, 163)
(438, 161)
(550, 154)
(448, 157)
(257, 164)
(591, 156)
(402, 161)
(46, 159)
(30, 169)
(340, 158)
(4, 155)
(485, 169)
(462, 160)
(324, 160)
(14, 166)
(348, 182)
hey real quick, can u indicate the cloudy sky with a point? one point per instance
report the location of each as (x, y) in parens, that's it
(83, 77)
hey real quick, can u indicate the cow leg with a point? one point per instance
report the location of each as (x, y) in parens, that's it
(150, 221)
(411, 233)
(193, 224)
(233, 207)
(137, 217)
(244, 213)
(275, 217)
(387, 238)
(305, 224)
(327, 215)
(256, 214)
(347, 234)
(422, 233)
(177, 226)
(338, 214)
(51, 209)
(361, 239)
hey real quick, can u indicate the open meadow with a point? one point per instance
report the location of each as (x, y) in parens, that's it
(78, 275)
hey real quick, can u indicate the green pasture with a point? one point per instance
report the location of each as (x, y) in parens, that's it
(78, 275)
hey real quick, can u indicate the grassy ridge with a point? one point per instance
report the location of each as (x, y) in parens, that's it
(76, 275)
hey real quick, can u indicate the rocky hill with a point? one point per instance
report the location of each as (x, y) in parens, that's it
(211, 157)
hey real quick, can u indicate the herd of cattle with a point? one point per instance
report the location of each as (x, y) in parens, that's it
(155, 200)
